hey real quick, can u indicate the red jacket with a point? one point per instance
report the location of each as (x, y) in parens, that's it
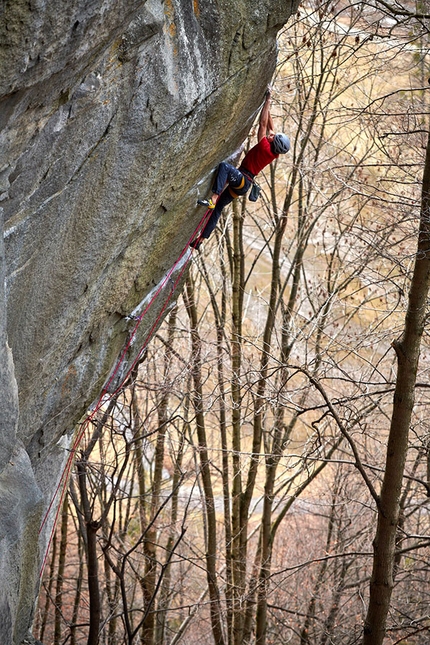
(258, 157)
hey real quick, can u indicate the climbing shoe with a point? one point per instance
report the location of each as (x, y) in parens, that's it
(206, 202)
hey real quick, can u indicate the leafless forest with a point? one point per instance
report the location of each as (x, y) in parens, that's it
(264, 476)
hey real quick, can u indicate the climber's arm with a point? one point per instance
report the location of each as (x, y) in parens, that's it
(265, 125)
(270, 124)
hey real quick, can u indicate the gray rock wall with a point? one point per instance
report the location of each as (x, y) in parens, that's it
(113, 114)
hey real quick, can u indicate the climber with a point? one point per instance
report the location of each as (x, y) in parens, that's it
(239, 180)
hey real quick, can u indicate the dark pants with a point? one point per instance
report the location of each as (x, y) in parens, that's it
(226, 174)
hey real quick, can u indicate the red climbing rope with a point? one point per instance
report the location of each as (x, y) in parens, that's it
(105, 395)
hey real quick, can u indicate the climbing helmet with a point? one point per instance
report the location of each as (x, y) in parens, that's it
(280, 144)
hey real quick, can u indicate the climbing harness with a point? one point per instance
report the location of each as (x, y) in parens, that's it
(106, 393)
(233, 193)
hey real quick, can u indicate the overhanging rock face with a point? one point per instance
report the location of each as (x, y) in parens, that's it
(113, 114)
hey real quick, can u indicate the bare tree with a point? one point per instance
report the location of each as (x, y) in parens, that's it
(407, 350)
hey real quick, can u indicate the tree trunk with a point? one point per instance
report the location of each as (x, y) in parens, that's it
(164, 602)
(92, 561)
(211, 546)
(78, 591)
(48, 590)
(407, 351)
(60, 573)
(239, 532)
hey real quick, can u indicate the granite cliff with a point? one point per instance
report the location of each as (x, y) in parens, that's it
(113, 114)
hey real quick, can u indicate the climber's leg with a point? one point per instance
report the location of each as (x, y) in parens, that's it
(224, 199)
(237, 184)
(226, 173)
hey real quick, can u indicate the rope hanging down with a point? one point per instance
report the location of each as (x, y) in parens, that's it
(106, 393)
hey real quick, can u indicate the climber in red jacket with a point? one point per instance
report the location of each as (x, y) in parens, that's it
(231, 182)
